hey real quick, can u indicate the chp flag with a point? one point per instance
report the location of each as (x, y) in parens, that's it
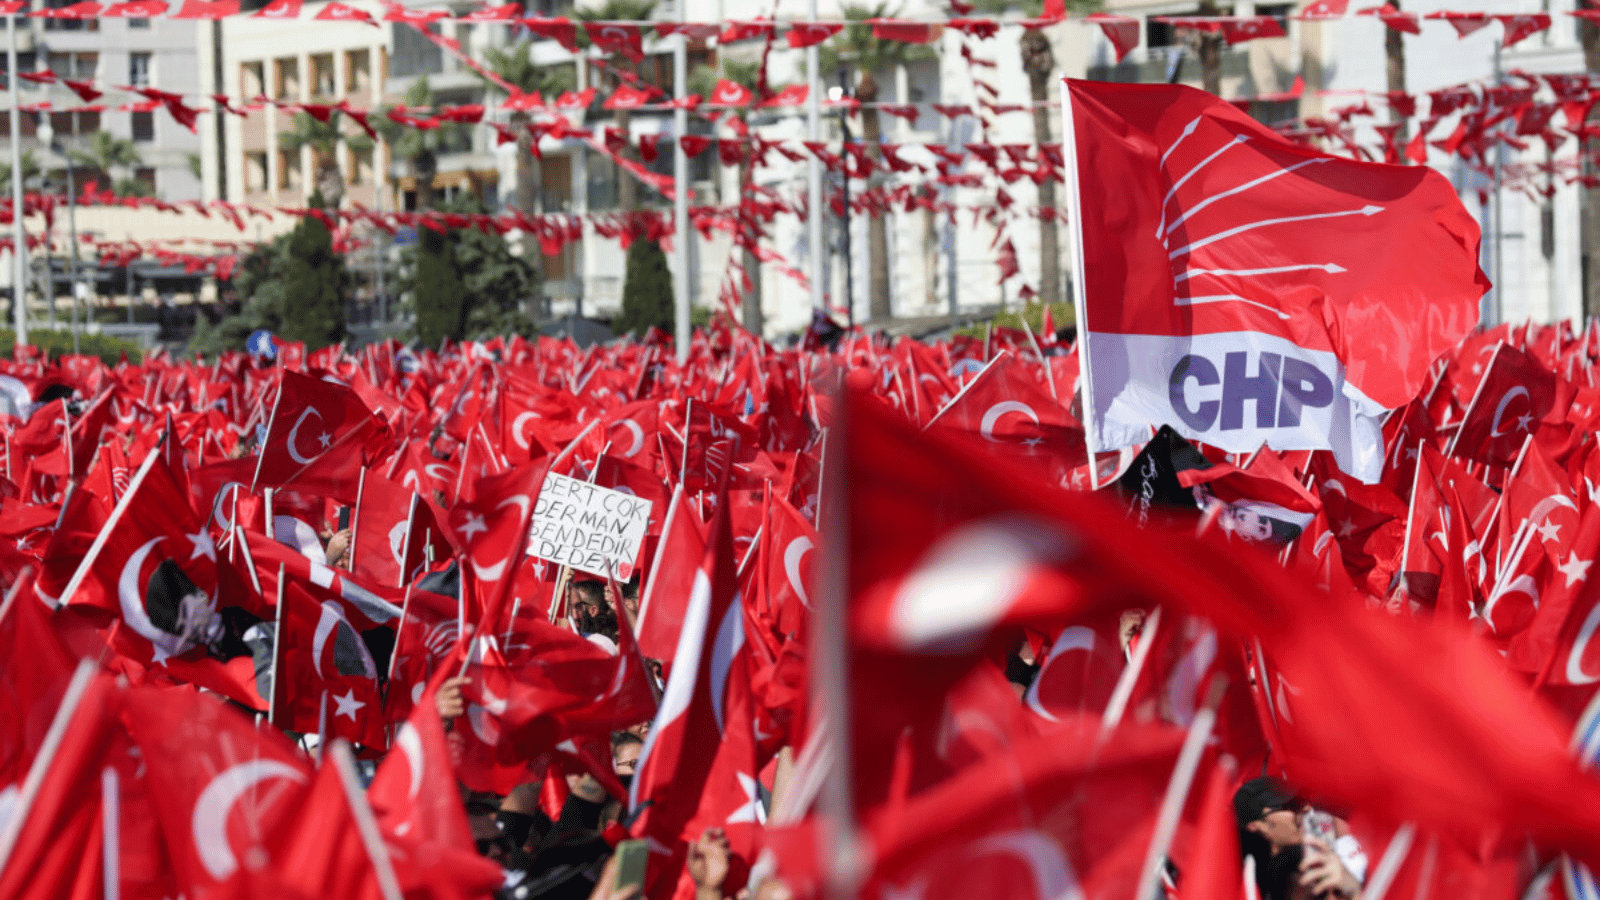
(1246, 290)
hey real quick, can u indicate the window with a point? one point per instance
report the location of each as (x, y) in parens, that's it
(322, 83)
(69, 125)
(85, 66)
(286, 79)
(252, 79)
(1159, 34)
(147, 177)
(1275, 10)
(139, 23)
(288, 171)
(144, 126)
(255, 172)
(357, 72)
(139, 69)
(67, 24)
(360, 167)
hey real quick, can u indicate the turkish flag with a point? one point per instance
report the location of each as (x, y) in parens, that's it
(413, 792)
(221, 788)
(1073, 816)
(339, 12)
(207, 9)
(667, 589)
(1077, 676)
(1121, 31)
(279, 9)
(624, 40)
(811, 33)
(324, 681)
(492, 530)
(57, 850)
(1008, 409)
(35, 672)
(317, 422)
(626, 97)
(1246, 289)
(1515, 394)
(681, 750)
(729, 93)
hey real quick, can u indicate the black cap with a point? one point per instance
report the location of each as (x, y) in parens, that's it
(1260, 794)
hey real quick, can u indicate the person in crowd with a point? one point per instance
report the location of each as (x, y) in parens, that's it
(1269, 815)
(1308, 871)
(625, 749)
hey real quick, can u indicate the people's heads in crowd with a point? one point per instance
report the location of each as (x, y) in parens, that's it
(1268, 813)
(625, 749)
(586, 597)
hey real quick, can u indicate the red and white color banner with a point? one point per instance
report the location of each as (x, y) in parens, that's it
(1246, 290)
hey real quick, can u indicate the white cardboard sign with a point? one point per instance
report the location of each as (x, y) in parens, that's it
(590, 528)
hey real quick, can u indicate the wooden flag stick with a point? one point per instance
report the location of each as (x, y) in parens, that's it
(366, 825)
(31, 785)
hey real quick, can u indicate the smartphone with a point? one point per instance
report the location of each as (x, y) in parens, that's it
(344, 517)
(1317, 825)
(631, 859)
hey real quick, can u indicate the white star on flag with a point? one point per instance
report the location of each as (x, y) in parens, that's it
(1549, 531)
(752, 810)
(473, 525)
(348, 704)
(325, 439)
(203, 545)
(1574, 569)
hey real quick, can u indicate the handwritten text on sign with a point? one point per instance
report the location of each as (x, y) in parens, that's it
(590, 528)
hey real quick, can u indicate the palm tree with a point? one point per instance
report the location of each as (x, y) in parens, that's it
(1039, 64)
(857, 47)
(420, 148)
(30, 169)
(324, 139)
(620, 11)
(515, 67)
(702, 81)
(108, 155)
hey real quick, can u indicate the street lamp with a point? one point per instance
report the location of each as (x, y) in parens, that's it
(836, 94)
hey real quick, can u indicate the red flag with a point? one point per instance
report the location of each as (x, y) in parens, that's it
(1228, 263)
(666, 591)
(729, 93)
(810, 34)
(624, 40)
(324, 679)
(1513, 397)
(492, 530)
(413, 793)
(677, 757)
(314, 422)
(222, 788)
(57, 849)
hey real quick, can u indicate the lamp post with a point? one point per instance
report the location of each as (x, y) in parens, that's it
(19, 245)
(837, 94)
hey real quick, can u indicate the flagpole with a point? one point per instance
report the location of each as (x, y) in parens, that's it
(105, 530)
(355, 523)
(277, 651)
(842, 852)
(1389, 866)
(1194, 745)
(111, 834)
(1118, 704)
(680, 199)
(366, 825)
(19, 232)
(813, 170)
(31, 785)
(1080, 302)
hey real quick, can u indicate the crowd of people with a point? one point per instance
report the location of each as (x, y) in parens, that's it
(886, 630)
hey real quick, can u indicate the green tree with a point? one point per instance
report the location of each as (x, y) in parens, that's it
(646, 290)
(115, 159)
(702, 81)
(313, 282)
(437, 294)
(30, 169)
(324, 138)
(258, 284)
(621, 11)
(857, 47)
